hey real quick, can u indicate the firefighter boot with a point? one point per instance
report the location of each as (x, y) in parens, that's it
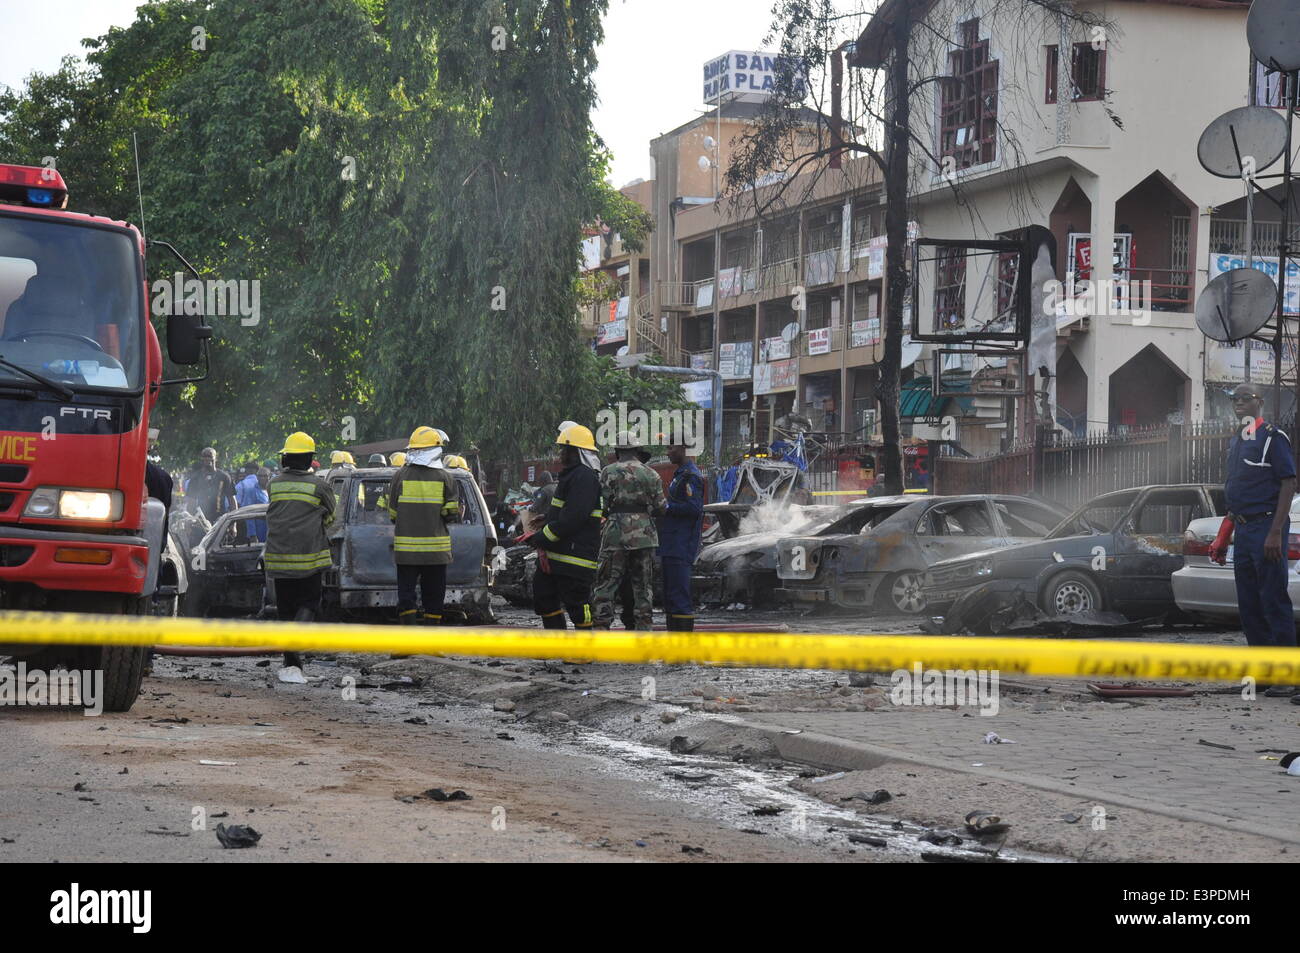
(554, 620)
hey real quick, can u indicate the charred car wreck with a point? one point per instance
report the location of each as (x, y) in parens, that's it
(1109, 564)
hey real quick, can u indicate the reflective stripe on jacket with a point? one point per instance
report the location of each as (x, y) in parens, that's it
(571, 536)
(421, 501)
(301, 506)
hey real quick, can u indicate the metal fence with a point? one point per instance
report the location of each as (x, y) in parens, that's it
(1071, 471)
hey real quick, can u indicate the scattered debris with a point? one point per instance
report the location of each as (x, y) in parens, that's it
(166, 833)
(220, 764)
(993, 738)
(691, 778)
(680, 744)
(985, 823)
(879, 796)
(1127, 691)
(434, 794)
(1072, 818)
(1214, 744)
(80, 786)
(868, 839)
(941, 838)
(504, 736)
(559, 716)
(688, 849)
(503, 704)
(1291, 762)
(237, 836)
(668, 717)
(767, 810)
(417, 720)
(829, 777)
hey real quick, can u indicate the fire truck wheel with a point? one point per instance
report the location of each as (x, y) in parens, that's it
(122, 665)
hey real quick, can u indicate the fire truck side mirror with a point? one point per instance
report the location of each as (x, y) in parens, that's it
(185, 336)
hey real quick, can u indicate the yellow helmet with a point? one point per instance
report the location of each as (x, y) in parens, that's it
(576, 436)
(341, 456)
(422, 437)
(457, 462)
(298, 443)
(397, 459)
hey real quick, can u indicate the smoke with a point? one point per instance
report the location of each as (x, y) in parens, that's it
(786, 519)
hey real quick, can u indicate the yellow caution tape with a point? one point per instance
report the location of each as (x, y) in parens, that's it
(1008, 656)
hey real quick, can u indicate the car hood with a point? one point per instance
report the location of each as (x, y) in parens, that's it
(715, 554)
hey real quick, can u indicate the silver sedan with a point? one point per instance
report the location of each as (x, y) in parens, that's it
(1205, 589)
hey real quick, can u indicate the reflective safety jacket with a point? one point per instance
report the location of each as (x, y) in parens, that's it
(421, 501)
(302, 505)
(571, 536)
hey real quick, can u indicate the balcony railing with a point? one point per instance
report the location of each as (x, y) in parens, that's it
(1170, 289)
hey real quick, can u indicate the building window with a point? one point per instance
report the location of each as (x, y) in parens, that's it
(968, 109)
(949, 288)
(1087, 72)
(1270, 89)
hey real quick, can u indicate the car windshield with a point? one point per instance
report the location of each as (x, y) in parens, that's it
(70, 304)
(1099, 516)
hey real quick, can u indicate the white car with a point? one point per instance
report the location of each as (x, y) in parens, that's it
(1204, 588)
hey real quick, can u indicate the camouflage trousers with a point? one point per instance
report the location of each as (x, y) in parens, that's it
(637, 566)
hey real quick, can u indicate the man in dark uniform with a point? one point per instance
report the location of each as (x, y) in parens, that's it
(679, 537)
(1261, 482)
(569, 542)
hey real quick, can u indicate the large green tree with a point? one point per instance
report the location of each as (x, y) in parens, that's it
(407, 181)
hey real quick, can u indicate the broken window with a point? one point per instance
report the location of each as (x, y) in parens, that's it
(1087, 72)
(1167, 513)
(958, 519)
(968, 109)
(237, 533)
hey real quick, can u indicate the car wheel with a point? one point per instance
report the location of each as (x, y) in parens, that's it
(1070, 593)
(901, 593)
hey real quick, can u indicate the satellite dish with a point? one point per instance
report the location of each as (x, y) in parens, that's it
(709, 142)
(1273, 32)
(622, 352)
(1236, 304)
(705, 164)
(1246, 131)
(911, 351)
(790, 332)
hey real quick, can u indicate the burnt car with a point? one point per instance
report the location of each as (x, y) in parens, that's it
(225, 576)
(363, 579)
(876, 557)
(742, 567)
(1114, 554)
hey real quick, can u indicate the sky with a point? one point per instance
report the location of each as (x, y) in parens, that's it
(649, 79)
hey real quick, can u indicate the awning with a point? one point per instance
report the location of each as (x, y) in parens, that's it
(916, 400)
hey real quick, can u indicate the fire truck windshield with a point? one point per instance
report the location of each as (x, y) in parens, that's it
(70, 305)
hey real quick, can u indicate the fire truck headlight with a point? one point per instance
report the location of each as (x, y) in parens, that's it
(90, 504)
(56, 503)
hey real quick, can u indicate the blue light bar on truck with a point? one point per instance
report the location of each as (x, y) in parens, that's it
(35, 186)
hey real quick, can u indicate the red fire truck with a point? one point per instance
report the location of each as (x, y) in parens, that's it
(80, 370)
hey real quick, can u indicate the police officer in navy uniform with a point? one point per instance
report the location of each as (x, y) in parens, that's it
(1261, 482)
(679, 536)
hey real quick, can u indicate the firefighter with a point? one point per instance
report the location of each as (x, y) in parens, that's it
(679, 536)
(376, 460)
(296, 552)
(397, 460)
(569, 541)
(422, 500)
(633, 497)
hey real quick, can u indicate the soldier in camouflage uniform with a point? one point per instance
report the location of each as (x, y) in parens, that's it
(634, 496)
